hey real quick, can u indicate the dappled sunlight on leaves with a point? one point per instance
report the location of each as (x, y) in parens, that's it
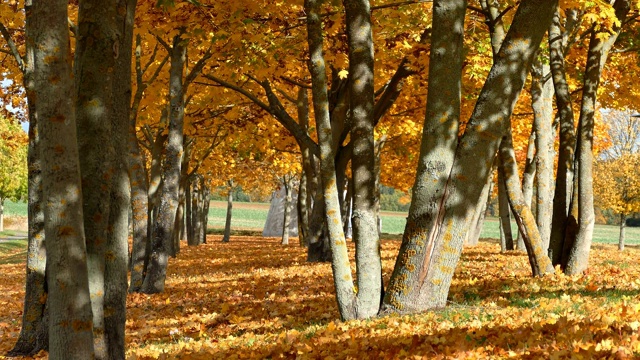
(254, 298)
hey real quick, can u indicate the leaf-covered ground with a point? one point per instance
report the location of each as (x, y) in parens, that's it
(253, 298)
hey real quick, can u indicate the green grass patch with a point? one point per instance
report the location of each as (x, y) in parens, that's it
(12, 251)
(15, 208)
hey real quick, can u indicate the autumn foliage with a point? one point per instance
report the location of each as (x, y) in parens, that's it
(253, 298)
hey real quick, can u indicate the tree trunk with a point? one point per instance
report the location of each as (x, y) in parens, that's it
(506, 235)
(205, 214)
(578, 257)
(286, 222)
(67, 275)
(479, 214)
(422, 276)
(542, 104)
(227, 222)
(34, 334)
(439, 141)
(305, 192)
(365, 219)
(189, 211)
(196, 210)
(623, 223)
(319, 249)
(117, 244)
(567, 142)
(93, 71)
(165, 219)
(538, 259)
(342, 277)
(527, 180)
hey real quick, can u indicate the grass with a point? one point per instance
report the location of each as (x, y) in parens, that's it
(12, 251)
(252, 216)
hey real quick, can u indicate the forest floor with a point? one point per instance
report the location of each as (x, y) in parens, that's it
(254, 298)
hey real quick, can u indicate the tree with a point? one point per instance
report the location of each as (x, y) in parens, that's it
(70, 326)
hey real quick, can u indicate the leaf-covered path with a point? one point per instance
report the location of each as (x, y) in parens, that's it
(253, 298)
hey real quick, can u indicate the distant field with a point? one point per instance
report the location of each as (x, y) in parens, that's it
(252, 216)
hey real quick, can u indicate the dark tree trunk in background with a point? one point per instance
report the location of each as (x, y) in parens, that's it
(528, 178)
(165, 219)
(286, 221)
(506, 235)
(67, 274)
(623, 223)
(227, 222)
(196, 209)
(205, 213)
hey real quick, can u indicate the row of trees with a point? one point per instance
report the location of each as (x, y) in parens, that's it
(194, 97)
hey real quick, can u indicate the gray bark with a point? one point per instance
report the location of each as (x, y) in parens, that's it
(623, 223)
(93, 71)
(286, 221)
(578, 257)
(343, 280)
(439, 140)
(538, 259)
(118, 235)
(34, 334)
(541, 101)
(422, 277)
(478, 217)
(69, 301)
(528, 178)
(567, 142)
(365, 219)
(227, 222)
(506, 235)
(165, 219)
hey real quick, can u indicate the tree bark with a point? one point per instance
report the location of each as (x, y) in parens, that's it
(578, 257)
(365, 219)
(422, 277)
(67, 274)
(118, 234)
(506, 235)
(306, 190)
(227, 222)
(34, 334)
(538, 259)
(165, 219)
(541, 101)
(567, 142)
(342, 277)
(478, 218)
(205, 213)
(528, 178)
(623, 223)
(93, 71)
(286, 222)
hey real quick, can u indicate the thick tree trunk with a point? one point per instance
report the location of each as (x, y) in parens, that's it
(93, 70)
(439, 140)
(422, 276)
(34, 334)
(117, 244)
(538, 259)
(567, 142)
(165, 219)
(542, 104)
(578, 257)
(342, 277)
(227, 222)
(67, 275)
(365, 219)
(319, 249)
(623, 223)
(506, 235)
